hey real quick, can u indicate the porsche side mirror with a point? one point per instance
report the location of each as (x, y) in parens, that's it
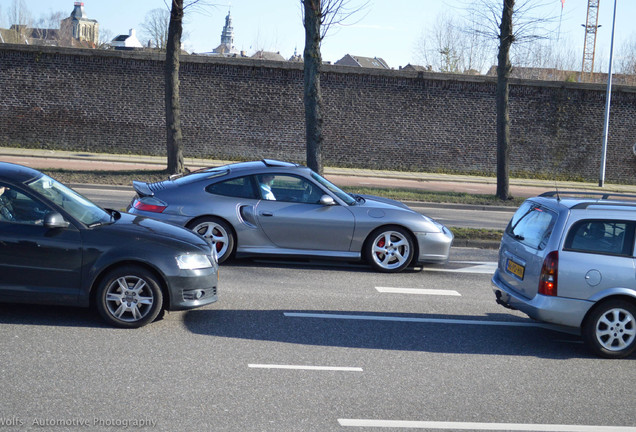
(326, 200)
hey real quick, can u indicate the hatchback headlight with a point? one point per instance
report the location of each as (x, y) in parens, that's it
(193, 262)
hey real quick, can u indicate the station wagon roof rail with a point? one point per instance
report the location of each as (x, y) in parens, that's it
(584, 194)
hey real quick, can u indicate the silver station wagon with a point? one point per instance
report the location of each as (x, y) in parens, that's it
(280, 209)
(568, 259)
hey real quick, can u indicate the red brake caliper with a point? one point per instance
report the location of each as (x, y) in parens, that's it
(381, 243)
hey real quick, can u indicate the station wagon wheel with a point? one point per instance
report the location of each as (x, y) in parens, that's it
(218, 233)
(389, 249)
(610, 330)
(129, 297)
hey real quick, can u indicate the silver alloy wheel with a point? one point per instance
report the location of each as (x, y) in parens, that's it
(391, 249)
(129, 298)
(616, 329)
(216, 234)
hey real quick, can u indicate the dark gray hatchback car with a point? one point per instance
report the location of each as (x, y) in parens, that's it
(58, 248)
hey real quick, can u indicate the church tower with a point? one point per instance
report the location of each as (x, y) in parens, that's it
(227, 37)
(79, 27)
(226, 48)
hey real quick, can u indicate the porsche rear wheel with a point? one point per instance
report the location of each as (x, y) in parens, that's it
(218, 233)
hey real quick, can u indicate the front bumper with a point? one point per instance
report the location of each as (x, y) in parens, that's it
(561, 311)
(192, 288)
(434, 247)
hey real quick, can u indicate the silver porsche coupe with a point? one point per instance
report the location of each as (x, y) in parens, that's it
(280, 209)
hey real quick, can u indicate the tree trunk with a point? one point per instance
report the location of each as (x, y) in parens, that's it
(503, 119)
(173, 106)
(312, 95)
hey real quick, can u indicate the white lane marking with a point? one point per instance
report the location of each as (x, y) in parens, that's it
(415, 320)
(421, 291)
(481, 426)
(301, 367)
(465, 267)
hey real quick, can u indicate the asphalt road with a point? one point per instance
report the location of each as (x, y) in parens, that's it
(313, 347)
(457, 216)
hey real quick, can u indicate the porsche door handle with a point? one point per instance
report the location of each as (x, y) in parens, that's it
(268, 214)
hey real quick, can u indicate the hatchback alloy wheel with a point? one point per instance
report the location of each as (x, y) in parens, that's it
(129, 297)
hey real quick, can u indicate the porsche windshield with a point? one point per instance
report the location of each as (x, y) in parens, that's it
(70, 201)
(334, 189)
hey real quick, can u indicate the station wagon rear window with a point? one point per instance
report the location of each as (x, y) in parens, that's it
(532, 225)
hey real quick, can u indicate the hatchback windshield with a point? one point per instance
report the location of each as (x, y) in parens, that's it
(73, 203)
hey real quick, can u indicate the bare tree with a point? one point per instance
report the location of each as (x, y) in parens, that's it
(312, 94)
(506, 38)
(105, 38)
(319, 16)
(19, 20)
(451, 46)
(497, 22)
(174, 140)
(46, 23)
(546, 54)
(156, 27)
(173, 104)
(626, 63)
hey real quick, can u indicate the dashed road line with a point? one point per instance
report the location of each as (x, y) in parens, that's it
(420, 291)
(402, 424)
(480, 267)
(305, 367)
(415, 320)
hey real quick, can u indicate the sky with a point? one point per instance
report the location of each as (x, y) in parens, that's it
(389, 29)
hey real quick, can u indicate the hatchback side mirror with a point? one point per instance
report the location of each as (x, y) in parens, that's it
(55, 220)
(326, 200)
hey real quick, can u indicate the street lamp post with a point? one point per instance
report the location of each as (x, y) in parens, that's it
(608, 97)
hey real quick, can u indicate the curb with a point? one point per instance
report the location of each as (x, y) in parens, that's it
(353, 172)
(477, 244)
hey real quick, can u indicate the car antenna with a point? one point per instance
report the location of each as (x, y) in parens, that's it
(556, 187)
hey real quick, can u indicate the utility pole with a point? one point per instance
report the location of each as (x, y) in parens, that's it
(601, 180)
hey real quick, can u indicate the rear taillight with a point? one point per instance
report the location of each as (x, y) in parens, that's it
(549, 274)
(150, 205)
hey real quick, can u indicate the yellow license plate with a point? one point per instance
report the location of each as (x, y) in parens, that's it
(515, 269)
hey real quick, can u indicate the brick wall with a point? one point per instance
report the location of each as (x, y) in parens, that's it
(112, 101)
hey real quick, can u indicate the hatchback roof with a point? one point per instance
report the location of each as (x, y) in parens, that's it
(17, 173)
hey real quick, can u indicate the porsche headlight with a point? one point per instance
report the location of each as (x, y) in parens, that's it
(193, 262)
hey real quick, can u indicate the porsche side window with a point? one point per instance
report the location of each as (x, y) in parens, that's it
(240, 187)
(288, 189)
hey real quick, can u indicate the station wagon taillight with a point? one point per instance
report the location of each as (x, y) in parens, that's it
(549, 274)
